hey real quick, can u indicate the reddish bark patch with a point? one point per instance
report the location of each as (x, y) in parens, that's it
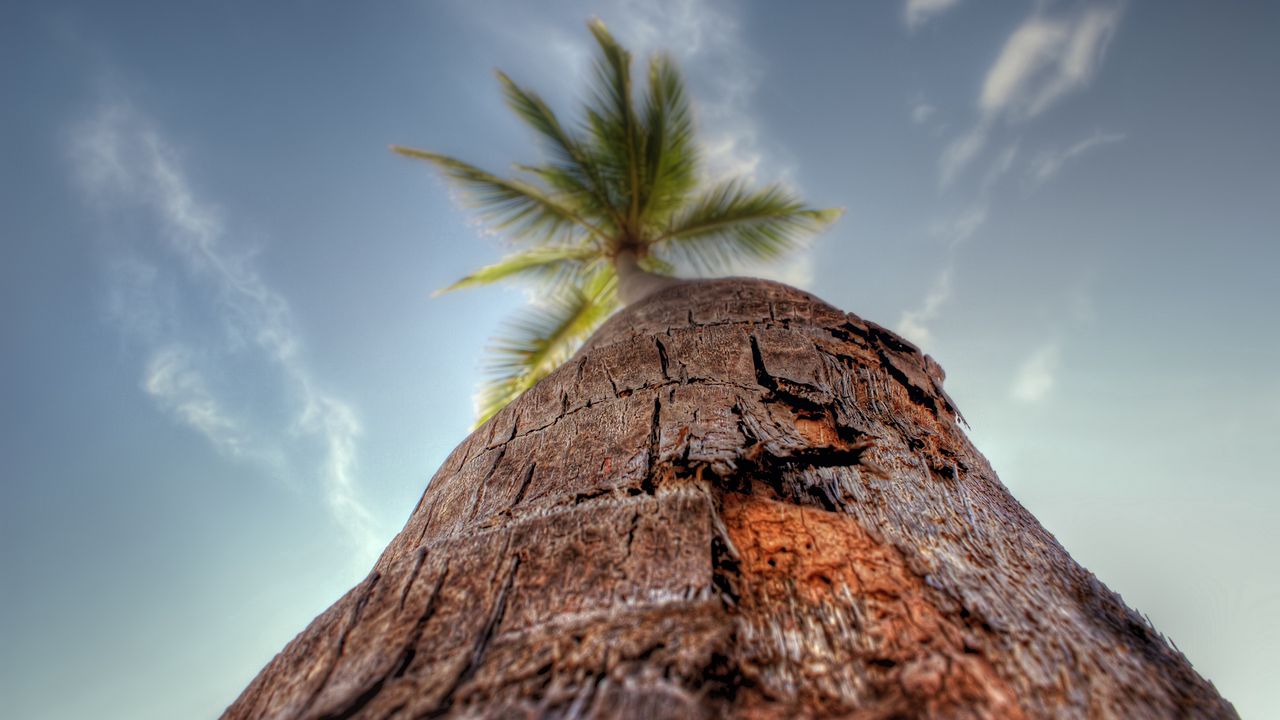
(883, 647)
(818, 432)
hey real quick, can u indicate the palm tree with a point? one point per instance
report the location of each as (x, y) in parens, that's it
(620, 202)
(734, 501)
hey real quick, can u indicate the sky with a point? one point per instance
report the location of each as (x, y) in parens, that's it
(226, 384)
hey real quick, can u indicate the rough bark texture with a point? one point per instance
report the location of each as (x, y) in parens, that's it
(736, 501)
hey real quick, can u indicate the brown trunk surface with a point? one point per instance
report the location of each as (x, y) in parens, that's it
(735, 501)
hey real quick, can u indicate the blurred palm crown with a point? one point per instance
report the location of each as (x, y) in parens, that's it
(621, 193)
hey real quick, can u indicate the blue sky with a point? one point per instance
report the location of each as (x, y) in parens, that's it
(225, 383)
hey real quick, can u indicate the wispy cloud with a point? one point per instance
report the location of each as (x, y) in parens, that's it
(913, 325)
(179, 387)
(1000, 166)
(954, 232)
(1037, 374)
(960, 152)
(198, 309)
(961, 226)
(1045, 59)
(1046, 164)
(918, 12)
(922, 111)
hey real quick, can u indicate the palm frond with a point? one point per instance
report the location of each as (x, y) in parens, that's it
(543, 338)
(574, 167)
(656, 265)
(551, 265)
(671, 157)
(608, 147)
(565, 182)
(730, 222)
(612, 119)
(523, 209)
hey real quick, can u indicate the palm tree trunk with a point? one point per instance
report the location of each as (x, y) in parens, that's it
(634, 282)
(735, 501)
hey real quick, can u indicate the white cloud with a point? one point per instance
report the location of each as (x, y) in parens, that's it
(1031, 47)
(921, 111)
(917, 12)
(1037, 374)
(1045, 59)
(959, 153)
(125, 164)
(999, 167)
(960, 227)
(179, 387)
(1047, 163)
(913, 325)
(335, 421)
(912, 329)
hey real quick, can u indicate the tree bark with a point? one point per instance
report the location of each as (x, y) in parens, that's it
(634, 282)
(735, 501)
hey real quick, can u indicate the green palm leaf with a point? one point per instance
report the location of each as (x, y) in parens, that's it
(552, 265)
(543, 338)
(730, 222)
(613, 123)
(522, 209)
(575, 170)
(671, 157)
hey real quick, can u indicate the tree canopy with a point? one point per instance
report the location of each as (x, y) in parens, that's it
(625, 181)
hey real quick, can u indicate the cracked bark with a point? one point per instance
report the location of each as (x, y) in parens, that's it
(735, 501)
